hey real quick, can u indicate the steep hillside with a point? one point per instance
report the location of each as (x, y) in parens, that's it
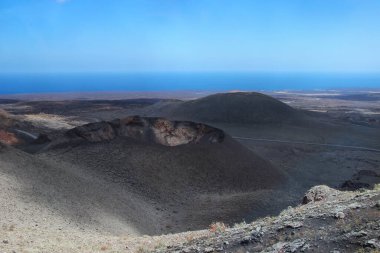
(175, 171)
(167, 156)
(182, 164)
(328, 221)
(42, 195)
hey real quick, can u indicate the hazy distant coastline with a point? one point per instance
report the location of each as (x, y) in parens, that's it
(165, 82)
(182, 95)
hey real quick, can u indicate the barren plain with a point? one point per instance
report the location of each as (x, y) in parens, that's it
(98, 173)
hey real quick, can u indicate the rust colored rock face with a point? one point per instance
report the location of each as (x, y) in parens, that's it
(157, 130)
(8, 138)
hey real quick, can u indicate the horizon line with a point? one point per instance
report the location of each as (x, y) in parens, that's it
(193, 72)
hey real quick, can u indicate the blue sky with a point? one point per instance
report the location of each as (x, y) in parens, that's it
(189, 35)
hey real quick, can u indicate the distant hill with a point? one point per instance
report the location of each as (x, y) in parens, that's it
(237, 107)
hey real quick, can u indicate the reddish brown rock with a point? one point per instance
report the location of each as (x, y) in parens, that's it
(8, 138)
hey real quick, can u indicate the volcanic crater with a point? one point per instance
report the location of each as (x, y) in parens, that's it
(153, 130)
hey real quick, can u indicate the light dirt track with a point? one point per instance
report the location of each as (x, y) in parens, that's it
(307, 143)
(266, 140)
(27, 134)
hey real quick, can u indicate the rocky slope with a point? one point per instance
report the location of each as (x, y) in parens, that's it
(328, 221)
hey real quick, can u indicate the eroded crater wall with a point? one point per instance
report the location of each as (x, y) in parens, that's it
(157, 130)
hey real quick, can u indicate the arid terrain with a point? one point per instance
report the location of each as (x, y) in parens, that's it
(151, 172)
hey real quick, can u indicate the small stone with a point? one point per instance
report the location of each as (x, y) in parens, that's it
(5, 241)
(294, 224)
(245, 240)
(361, 233)
(226, 243)
(377, 204)
(354, 206)
(295, 245)
(339, 215)
(209, 249)
(373, 243)
(256, 236)
(305, 247)
(278, 247)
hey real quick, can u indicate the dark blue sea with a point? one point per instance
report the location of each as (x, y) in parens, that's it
(42, 83)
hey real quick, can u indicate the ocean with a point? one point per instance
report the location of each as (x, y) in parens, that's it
(86, 82)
